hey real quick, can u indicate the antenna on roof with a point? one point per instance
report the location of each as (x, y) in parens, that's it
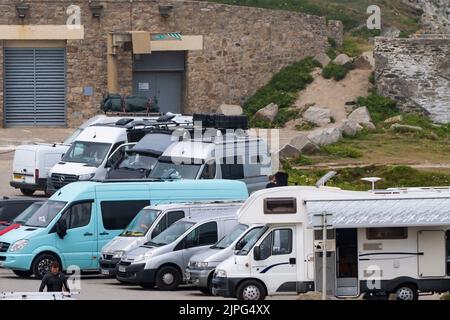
(324, 179)
(372, 180)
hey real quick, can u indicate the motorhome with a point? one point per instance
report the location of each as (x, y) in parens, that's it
(218, 157)
(77, 221)
(161, 262)
(376, 244)
(201, 266)
(153, 220)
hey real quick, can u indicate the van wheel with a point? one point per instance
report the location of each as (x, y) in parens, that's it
(23, 274)
(208, 289)
(147, 285)
(168, 278)
(251, 290)
(26, 192)
(42, 264)
(407, 292)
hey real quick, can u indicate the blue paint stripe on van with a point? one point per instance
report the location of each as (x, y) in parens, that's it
(272, 266)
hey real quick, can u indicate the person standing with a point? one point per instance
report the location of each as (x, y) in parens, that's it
(54, 280)
(272, 182)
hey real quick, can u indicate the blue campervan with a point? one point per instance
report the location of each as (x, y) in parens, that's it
(78, 220)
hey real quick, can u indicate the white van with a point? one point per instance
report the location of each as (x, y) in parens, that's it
(32, 162)
(219, 157)
(377, 243)
(151, 221)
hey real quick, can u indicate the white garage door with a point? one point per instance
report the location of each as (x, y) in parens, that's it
(34, 86)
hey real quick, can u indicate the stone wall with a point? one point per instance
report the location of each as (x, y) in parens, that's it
(243, 47)
(416, 72)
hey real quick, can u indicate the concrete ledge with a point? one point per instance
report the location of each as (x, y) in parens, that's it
(40, 32)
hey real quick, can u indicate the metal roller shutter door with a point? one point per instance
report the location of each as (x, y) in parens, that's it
(34, 86)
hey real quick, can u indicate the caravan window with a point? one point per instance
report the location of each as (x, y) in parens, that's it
(278, 242)
(386, 233)
(280, 205)
(117, 215)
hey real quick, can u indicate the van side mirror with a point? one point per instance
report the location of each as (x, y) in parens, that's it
(240, 245)
(62, 155)
(256, 253)
(61, 228)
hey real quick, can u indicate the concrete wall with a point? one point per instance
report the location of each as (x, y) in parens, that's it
(416, 72)
(243, 47)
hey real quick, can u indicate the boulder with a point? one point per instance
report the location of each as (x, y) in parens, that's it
(350, 128)
(342, 59)
(325, 136)
(318, 116)
(369, 126)
(323, 59)
(405, 128)
(268, 113)
(395, 119)
(360, 115)
(289, 151)
(230, 109)
(390, 32)
(362, 62)
(303, 144)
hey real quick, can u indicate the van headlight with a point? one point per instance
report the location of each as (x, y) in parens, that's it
(118, 254)
(220, 274)
(143, 256)
(18, 245)
(202, 265)
(84, 177)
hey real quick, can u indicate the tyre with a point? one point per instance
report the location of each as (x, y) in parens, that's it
(146, 285)
(206, 291)
(407, 292)
(26, 192)
(251, 290)
(42, 264)
(168, 278)
(23, 274)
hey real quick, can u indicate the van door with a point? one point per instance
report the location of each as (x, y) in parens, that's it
(276, 263)
(432, 253)
(80, 243)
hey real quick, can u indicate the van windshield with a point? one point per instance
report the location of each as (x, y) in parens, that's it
(171, 234)
(90, 153)
(72, 137)
(136, 161)
(229, 238)
(170, 170)
(27, 213)
(45, 214)
(246, 249)
(139, 226)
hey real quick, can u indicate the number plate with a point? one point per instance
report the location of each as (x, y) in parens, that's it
(122, 269)
(18, 177)
(105, 272)
(2, 263)
(188, 276)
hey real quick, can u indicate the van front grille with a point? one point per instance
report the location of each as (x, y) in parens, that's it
(4, 246)
(60, 180)
(2, 258)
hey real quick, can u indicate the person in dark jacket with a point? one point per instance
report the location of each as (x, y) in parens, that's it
(54, 280)
(272, 182)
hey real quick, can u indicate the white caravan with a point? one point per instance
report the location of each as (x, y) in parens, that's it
(378, 243)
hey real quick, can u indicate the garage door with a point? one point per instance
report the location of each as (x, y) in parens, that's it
(35, 86)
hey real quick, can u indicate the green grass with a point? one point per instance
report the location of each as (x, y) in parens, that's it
(305, 126)
(380, 108)
(341, 151)
(303, 160)
(282, 89)
(335, 71)
(350, 178)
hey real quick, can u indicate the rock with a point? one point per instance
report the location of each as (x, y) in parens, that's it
(230, 109)
(268, 113)
(390, 32)
(325, 136)
(395, 119)
(303, 144)
(342, 59)
(323, 59)
(369, 126)
(350, 128)
(360, 115)
(349, 109)
(289, 151)
(405, 128)
(318, 116)
(362, 62)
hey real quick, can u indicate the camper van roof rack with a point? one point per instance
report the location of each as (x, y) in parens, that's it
(442, 189)
(127, 180)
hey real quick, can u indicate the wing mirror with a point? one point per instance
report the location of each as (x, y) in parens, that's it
(257, 253)
(61, 228)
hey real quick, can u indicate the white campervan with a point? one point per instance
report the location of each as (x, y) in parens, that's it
(377, 243)
(218, 157)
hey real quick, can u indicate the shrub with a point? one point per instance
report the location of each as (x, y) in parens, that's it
(303, 160)
(304, 126)
(380, 108)
(342, 151)
(350, 47)
(331, 53)
(335, 71)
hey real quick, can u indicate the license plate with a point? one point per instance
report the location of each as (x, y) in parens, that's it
(18, 177)
(188, 276)
(2, 263)
(105, 272)
(122, 269)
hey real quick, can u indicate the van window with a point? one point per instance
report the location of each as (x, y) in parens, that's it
(209, 171)
(11, 210)
(280, 205)
(166, 221)
(232, 168)
(230, 237)
(140, 224)
(90, 153)
(247, 238)
(204, 235)
(45, 214)
(78, 215)
(386, 233)
(278, 242)
(116, 215)
(115, 146)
